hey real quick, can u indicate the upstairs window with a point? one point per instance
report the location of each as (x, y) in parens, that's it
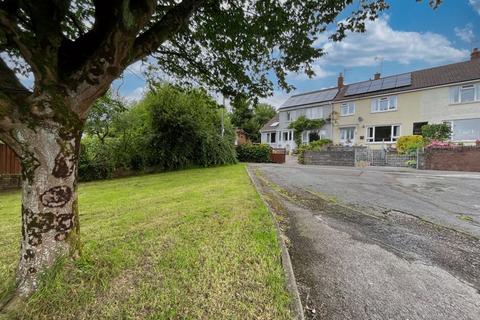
(314, 113)
(289, 116)
(465, 94)
(384, 104)
(347, 109)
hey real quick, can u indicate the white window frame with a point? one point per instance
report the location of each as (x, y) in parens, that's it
(289, 116)
(349, 107)
(314, 113)
(393, 139)
(344, 129)
(456, 93)
(451, 123)
(375, 104)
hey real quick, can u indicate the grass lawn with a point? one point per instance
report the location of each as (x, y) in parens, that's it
(193, 244)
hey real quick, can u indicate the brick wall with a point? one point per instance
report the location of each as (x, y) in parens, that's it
(333, 157)
(455, 159)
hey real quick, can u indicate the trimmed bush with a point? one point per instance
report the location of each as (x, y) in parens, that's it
(253, 152)
(409, 144)
(439, 131)
(312, 146)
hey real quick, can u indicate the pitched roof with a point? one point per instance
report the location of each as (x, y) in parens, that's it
(272, 124)
(443, 75)
(317, 96)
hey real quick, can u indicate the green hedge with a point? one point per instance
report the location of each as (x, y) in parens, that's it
(253, 153)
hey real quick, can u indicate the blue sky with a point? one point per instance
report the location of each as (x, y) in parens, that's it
(409, 36)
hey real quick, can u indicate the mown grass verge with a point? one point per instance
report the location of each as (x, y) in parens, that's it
(193, 244)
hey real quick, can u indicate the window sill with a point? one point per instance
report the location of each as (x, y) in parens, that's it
(347, 115)
(382, 142)
(384, 111)
(463, 103)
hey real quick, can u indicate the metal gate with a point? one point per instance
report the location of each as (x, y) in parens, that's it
(365, 156)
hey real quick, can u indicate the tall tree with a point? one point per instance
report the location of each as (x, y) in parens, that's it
(101, 116)
(75, 49)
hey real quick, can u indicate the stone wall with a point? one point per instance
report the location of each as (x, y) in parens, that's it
(10, 181)
(331, 157)
(453, 159)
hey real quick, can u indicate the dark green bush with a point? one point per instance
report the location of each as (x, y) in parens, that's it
(440, 131)
(184, 130)
(253, 152)
(95, 161)
(312, 146)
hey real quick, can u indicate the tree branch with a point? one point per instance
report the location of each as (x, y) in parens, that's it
(18, 37)
(169, 24)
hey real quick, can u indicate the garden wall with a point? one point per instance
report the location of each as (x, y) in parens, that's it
(331, 157)
(452, 159)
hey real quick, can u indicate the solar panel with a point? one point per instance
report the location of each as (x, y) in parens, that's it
(312, 97)
(398, 81)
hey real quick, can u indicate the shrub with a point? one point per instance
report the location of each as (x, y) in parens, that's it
(302, 124)
(312, 146)
(253, 152)
(95, 162)
(184, 129)
(409, 144)
(440, 131)
(436, 144)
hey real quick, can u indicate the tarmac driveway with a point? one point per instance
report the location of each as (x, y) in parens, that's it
(379, 243)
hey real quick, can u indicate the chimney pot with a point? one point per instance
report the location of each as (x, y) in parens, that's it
(340, 80)
(475, 54)
(377, 76)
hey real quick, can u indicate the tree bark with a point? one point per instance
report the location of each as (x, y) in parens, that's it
(50, 228)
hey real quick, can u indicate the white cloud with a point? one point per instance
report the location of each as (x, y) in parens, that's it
(277, 99)
(476, 5)
(380, 40)
(319, 74)
(466, 33)
(136, 94)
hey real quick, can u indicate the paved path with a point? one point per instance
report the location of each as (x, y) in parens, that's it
(360, 252)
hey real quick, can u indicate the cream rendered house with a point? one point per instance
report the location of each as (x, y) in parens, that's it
(378, 111)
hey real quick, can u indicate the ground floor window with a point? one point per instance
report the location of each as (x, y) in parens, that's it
(417, 127)
(465, 130)
(271, 137)
(287, 136)
(383, 133)
(347, 134)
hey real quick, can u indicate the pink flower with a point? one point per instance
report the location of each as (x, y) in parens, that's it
(436, 144)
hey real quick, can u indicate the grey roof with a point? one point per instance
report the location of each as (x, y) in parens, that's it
(310, 97)
(271, 125)
(426, 78)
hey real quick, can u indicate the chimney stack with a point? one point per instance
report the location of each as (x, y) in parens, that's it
(376, 76)
(340, 81)
(475, 54)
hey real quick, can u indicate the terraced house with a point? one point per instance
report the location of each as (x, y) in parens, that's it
(378, 111)
(312, 105)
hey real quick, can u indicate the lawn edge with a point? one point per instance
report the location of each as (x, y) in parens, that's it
(286, 261)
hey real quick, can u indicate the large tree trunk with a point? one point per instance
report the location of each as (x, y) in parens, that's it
(50, 228)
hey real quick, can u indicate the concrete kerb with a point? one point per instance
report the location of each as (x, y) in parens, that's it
(286, 261)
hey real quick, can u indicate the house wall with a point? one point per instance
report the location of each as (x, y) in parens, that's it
(407, 113)
(430, 105)
(435, 107)
(284, 123)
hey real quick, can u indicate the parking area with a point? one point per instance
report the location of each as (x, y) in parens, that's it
(451, 199)
(379, 243)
